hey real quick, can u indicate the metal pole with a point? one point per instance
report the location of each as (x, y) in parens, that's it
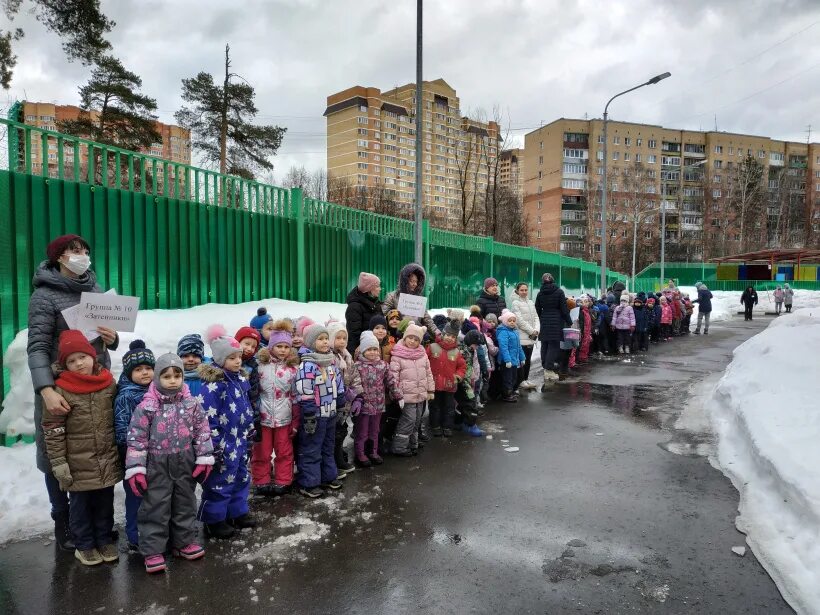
(603, 214)
(663, 240)
(419, 124)
(634, 243)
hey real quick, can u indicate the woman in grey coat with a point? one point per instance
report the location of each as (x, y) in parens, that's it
(58, 284)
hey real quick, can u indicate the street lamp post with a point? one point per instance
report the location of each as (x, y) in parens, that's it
(652, 81)
(419, 116)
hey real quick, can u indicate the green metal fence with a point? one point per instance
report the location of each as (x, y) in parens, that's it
(178, 236)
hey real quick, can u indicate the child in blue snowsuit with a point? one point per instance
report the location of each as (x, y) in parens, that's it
(640, 337)
(601, 326)
(320, 390)
(224, 392)
(137, 375)
(510, 353)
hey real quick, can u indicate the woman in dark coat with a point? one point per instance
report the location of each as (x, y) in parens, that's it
(490, 300)
(749, 300)
(553, 314)
(362, 305)
(58, 284)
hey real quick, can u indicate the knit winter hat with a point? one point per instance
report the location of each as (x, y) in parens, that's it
(492, 319)
(391, 314)
(312, 333)
(415, 330)
(624, 298)
(405, 322)
(368, 340)
(334, 327)
(191, 344)
(368, 282)
(507, 316)
(490, 282)
(72, 341)
(55, 249)
(250, 332)
(475, 311)
(282, 333)
(222, 344)
(451, 329)
(137, 355)
(440, 320)
(455, 314)
(262, 317)
(474, 338)
(302, 323)
(377, 320)
(169, 359)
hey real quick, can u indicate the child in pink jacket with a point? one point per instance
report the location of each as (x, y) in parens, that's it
(667, 314)
(410, 367)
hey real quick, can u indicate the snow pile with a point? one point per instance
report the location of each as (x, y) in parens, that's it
(726, 303)
(24, 507)
(765, 413)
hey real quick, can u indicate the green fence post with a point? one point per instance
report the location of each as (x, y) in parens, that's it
(491, 250)
(532, 268)
(297, 202)
(560, 270)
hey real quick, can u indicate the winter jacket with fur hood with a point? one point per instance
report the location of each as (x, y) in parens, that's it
(276, 398)
(167, 425)
(527, 317)
(376, 380)
(84, 438)
(411, 369)
(391, 302)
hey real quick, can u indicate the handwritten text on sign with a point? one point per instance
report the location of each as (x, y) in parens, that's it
(412, 305)
(116, 312)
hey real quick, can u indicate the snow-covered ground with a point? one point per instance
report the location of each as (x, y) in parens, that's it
(765, 413)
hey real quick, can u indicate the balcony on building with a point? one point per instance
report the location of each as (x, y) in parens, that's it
(576, 140)
(669, 205)
(573, 201)
(694, 149)
(573, 215)
(798, 162)
(670, 148)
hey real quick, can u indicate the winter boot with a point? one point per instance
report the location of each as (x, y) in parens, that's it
(62, 532)
(313, 492)
(89, 557)
(363, 463)
(510, 398)
(155, 563)
(220, 530)
(190, 552)
(243, 521)
(627, 349)
(109, 553)
(446, 432)
(437, 432)
(376, 460)
(334, 485)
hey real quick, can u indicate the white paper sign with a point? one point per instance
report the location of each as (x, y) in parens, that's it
(574, 313)
(116, 312)
(72, 315)
(412, 305)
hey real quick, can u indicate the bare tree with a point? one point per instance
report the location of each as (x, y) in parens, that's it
(376, 199)
(747, 201)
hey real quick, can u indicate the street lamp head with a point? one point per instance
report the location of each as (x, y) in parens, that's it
(657, 78)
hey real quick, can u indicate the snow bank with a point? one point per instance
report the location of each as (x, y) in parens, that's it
(765, 413)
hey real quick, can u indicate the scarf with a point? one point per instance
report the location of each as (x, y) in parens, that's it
(191, 374)
(403, 352)
(80, 384)
(322, 359)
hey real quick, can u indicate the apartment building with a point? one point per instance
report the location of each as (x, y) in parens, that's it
(690, 174)
(511, 170)
(175, 143)
(371, 145)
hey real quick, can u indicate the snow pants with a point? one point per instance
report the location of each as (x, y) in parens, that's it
(666, 331)
(443, 410)
(225, 493)
(701, 316)
(747, 311)
(466, 412)
(315, 459)
(524, 368)
(91, 518)
(509, 378)
(624, 338)
(778, 307)
(275, 441)
(788, 308)
(169, 505)
(342, 431)
(366, 428)
(406, 436)
(640, 341)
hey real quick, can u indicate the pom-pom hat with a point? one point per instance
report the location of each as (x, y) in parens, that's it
(261, 319)
(222, 344)
(137, 355)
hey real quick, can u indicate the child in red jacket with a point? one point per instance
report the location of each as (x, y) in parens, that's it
(449, 368)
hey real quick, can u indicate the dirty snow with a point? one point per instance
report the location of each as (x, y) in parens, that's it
(765, 413)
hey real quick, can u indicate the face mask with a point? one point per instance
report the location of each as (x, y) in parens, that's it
(78, 264)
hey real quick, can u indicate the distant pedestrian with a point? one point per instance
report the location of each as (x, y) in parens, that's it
(749, 300)
(779, 296)
(788, 296)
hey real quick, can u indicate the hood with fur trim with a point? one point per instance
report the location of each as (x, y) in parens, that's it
(264, 357)
(404, 278)
(209, 372)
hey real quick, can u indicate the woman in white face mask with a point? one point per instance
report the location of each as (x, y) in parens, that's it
(58, 284)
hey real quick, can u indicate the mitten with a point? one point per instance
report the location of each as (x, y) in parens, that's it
(508, 365)
(63, 475)
(401, 404)
(534, 335)
(431, 396)
(257, 431)
(356, 407)
(201, 472)
(138, 484)
(310, 423)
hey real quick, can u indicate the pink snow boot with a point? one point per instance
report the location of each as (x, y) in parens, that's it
(190, 552)
(155, 563)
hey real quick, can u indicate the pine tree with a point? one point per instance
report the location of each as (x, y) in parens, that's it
(112, 109)
(80, 23)
(220, 119)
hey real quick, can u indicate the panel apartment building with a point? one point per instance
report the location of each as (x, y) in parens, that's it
(511, 170)
(688, 173)
(371, 144)
(175, 144)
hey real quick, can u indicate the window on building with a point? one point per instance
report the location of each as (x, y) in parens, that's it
(731, 151)
(650, 158)
(718, 149)
(626, 157)
(652, 143)
(718, 164)
(616, 140)
(541, 145)
(616, 155)
(600, 138)
(361, 120)
(761, 153)
(716, 193)
(540, 160)
(538, 234)
(716, 179)
(540, 204)
(599, 155)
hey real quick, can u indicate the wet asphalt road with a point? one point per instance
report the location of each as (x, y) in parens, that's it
(592, 515)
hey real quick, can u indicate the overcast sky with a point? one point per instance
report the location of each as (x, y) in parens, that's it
(755, 64)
